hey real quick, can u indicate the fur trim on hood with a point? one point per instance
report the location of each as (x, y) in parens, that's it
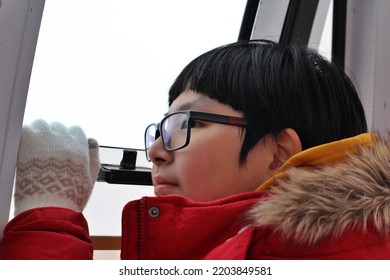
(312, 203)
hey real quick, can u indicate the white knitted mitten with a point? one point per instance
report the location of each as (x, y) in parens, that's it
(56, 166)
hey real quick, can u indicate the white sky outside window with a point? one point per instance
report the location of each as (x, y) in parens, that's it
(106, 66)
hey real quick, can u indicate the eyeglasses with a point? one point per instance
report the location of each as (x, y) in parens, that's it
(175, 129)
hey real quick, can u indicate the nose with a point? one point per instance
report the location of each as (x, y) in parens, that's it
(158, 154)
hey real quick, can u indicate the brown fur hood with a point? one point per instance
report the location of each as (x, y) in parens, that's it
(312, 203)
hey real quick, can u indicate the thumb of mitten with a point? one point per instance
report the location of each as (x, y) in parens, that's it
(94, 160)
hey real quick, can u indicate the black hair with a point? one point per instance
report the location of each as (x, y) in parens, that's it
(276, 87)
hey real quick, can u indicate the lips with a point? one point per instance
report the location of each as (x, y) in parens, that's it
(164, 187)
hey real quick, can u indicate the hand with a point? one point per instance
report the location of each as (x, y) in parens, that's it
(56, 166)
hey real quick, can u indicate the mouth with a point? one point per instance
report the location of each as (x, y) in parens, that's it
(164, 187)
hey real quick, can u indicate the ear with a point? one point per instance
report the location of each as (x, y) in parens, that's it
(288, 144)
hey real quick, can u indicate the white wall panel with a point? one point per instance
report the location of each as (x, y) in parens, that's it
(367, 57)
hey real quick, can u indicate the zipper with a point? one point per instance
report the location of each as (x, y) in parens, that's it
(141, 230)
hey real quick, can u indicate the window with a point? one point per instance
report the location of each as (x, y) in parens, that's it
(107, 67)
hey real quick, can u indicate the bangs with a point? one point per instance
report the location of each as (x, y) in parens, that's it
(222, 74)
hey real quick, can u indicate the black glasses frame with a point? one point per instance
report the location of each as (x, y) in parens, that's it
(193, 115)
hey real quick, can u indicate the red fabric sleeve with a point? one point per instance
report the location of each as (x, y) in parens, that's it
(47, 233)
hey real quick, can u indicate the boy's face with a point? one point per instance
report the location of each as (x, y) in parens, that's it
(208, 168)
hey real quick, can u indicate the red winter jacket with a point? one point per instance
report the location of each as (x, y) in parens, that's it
(320, 205)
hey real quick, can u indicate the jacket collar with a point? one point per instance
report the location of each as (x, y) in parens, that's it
(325, 154)
(328, 189)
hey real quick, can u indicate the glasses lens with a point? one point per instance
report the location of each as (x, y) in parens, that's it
(150, 135)
(174, 131)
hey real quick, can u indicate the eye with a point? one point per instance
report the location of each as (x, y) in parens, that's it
(193, 124)
(183, 124)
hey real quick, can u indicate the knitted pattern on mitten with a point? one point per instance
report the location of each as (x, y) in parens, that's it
(56, 167)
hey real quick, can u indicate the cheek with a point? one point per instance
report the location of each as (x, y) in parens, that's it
(192, 175)
(204, 167)
(214, 151)
(195, 164)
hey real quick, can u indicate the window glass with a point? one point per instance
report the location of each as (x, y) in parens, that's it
(321, 34)
(107, 65)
